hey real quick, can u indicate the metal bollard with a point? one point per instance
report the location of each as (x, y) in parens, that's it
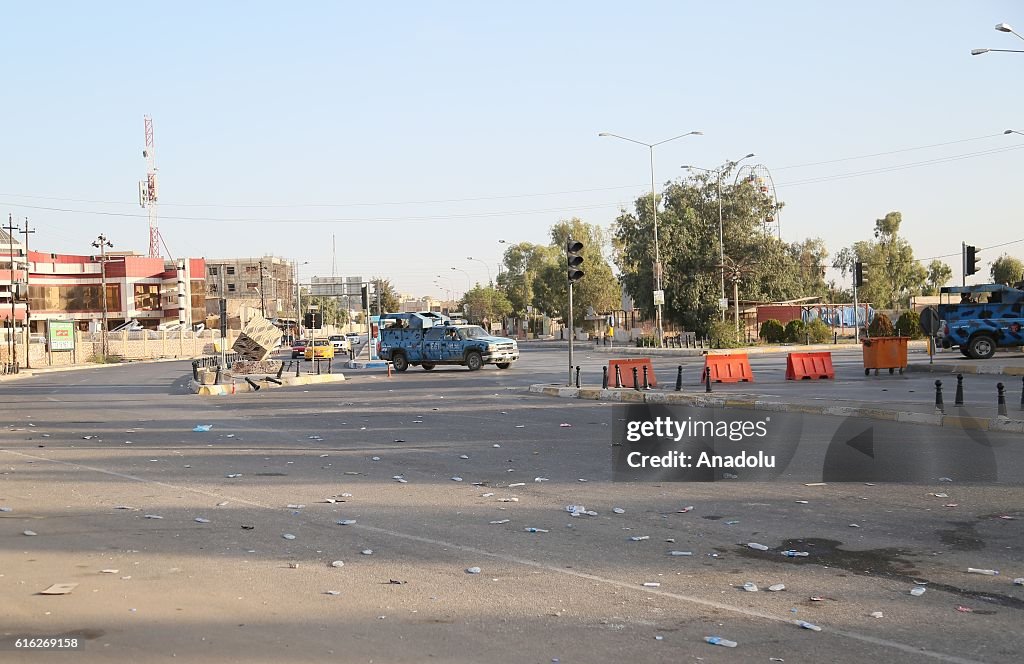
(604, 378)
(1022, 393)
(707, 379)
(273, 380)
(679, 379)
(316, 361)
(1001, 399)
(636, 381)
(195, 371)
(959, 399)
(618, 377)
(298, 367)
(647, 384)
(252, 384)
(280, 370)
(835, 338)
(577, 375)
(329, 362)
(216, 377)
(938, 397)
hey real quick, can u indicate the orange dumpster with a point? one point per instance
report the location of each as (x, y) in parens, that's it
(885, 353)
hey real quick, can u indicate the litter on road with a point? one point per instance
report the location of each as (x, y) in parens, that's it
(750, 587)
(337, 563)
(757, 546)
(200, 519)
(472, 570)
(288, 536)
(987, 572)
(777, 587)
(30, 533)
(346, 522)
(918, 591)
(719, 641)
(651, 584)
(202, 428)
(59, 589)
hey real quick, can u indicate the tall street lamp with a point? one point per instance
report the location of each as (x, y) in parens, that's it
(720, 172)
(1001, 27)
(654, 209)
(489, 280)
(1013, 131)
(468, 281)
(102, 244)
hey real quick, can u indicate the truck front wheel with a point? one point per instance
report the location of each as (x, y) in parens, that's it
(427, 366)
(981, 347)
(473, 360)
(399, 362)
(504, 365)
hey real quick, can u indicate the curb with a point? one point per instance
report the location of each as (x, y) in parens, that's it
(363, 364)
(749, 350)
(29, 373)
(240, 386)
(986, 369)
(704, 401)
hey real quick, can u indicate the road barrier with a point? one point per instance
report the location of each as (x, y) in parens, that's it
(623, 371)
(809, 366)
(727, 368)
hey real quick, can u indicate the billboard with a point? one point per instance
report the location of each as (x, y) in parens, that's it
(60, 335)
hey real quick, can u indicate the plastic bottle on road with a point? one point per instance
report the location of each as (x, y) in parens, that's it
(987, 572)
(719, 641)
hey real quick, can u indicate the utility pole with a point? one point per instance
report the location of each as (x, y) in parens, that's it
(102, 243)
(11, 345)
(263, 299)
(28, 329)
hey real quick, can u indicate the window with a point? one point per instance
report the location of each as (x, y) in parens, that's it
(213, 271)
(213, 288)
(147, 297)
(252, 285)
(250, 269)
(231, 270)
(231, 288)
(433, 334)
(73, 298)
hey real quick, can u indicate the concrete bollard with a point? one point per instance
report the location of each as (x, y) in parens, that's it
(958, 400)
(604, 378)
(577, 376)
(1001, 399)
(647, 384)
(679, 379)
(707, 379)
(618, 377)
(938, 397)
(636, 381)
(252, 384)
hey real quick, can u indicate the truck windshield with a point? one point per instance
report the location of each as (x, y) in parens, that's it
(472, 332)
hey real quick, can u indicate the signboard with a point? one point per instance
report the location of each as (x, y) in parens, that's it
(257, 340)
(659, 297)
(60, 335)
(723, 303)
(930, 321)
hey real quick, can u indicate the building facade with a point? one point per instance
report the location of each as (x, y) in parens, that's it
(254, 285)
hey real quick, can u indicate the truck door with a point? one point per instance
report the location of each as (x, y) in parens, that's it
(432, 347)
(452, 345)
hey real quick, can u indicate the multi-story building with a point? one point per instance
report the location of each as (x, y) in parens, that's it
(251, 286)
(151, 291)
(13, 277)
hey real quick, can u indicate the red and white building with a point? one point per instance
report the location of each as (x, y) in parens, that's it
(65, 287)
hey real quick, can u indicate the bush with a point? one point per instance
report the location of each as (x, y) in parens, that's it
(909, 325)
(881, 326)
(772, 331)
(723, 335)
(795, 331)
(819, 332)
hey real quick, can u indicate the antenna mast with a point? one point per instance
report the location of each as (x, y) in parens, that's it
(148, 191)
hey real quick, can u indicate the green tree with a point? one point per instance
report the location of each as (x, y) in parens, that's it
(1007, 270)
(389, 300)
(485, 302)
(689, 247)
(524, 263)
(329, 306)
(893, 276)
(809, 258)
(939, 275)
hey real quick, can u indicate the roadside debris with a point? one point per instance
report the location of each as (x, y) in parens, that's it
(639, 538)
(918, 591)
(757, 546)
(680, 553)
(719, 641)
(367, 552)
(651, 584)
(202, 428)
(750, 587)
(777, 587)
(346, 522)
(499, 522)
(987, 572)
(807, 625)
(618, 510)
(472, 570)
(200, 519)
(337, 563)
(535, 530)
(288, 536)
(59, 589)
(30, 533)
(795, 554)
(877, 614)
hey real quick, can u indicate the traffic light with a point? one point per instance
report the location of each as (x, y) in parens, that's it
(970, 260)
(573, 260)
(366, 297)
(860, 274)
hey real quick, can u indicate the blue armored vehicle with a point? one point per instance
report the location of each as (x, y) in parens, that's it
(979, 319)
(430, 339)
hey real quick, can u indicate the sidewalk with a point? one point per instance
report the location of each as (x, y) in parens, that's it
(1004, 364)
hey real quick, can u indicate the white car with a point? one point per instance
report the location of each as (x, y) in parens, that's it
(340, 342)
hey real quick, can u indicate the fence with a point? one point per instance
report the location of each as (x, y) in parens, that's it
(125, 345)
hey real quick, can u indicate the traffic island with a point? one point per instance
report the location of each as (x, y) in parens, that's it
(240, 384)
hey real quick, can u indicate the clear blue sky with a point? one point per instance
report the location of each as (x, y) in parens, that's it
(380, 121)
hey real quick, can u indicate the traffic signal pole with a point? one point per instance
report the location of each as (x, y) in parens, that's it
(570, 335)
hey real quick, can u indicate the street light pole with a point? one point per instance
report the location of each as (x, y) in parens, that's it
(102, 243)
(468, 281)
(1000, 27)
(659, 332)
(489, 280)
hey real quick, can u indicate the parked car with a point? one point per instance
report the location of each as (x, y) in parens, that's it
(321, 349)
(298, 348)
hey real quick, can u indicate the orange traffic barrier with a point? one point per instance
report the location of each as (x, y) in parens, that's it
(626, 370)
(730, 368)
(809, 366)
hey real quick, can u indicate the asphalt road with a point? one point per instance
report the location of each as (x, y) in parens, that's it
(111, 446)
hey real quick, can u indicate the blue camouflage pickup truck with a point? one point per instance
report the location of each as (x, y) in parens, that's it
(427, 340)
(979, 319)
